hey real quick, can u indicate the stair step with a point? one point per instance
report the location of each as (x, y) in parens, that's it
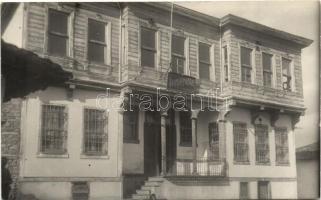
(143, 192)
(156, 179)
(152, 183)
(140, 196)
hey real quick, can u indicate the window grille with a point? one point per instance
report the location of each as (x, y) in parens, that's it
(281, 145)
(178, 54)
(96, 41)
(204, 61)
(244, 191)
(214, 138)
(57, 32)
(148, 47)
(262, 144)
(53, 129)
(286, 74)
(241, 147)
(246, 65)
(95, 138)
(185, 128)
(131, 126)
(267, 69)
(225, 62)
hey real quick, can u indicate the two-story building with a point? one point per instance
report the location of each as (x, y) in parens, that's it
(165, 102)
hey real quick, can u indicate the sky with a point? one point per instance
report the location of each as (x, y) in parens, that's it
(296, 17)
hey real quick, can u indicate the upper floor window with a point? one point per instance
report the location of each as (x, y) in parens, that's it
(95, 138)
(53, 129)
(246, 65)
(148, 47)
(204, 61)
(214, 139)
(225, 63)
(286, 74)
(178, 54)
(267, 69)
(131, 126)
(281, 146)
(57, 32)
(185, 128)
(241, 146)
(97, 41)
(262, 144)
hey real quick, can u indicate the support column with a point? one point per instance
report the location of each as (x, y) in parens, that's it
(120, 141)
(222, 144)
(194, 116)
(163, 141)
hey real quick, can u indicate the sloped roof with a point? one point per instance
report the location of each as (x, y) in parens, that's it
(25, 72)
(307, 152)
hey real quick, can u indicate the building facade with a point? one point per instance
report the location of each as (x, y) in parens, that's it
(164, 102)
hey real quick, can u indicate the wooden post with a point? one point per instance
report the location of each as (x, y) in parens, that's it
(194, 144)
(163, 141)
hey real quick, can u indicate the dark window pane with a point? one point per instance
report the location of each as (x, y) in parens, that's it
(263, 190)
(262, 143)
(57, 45)
(225, 55)
(286, 67)
(148, 58)
(246, 74)
(148, 38)
(96, 31)
(130, 126)
(246, 56)
(58, 22)
(214, 141)
(186, 128)
(240, 142)
(267, 62)
(178, 65)
(243, 190)
(96, 52)
(178, 45)
(204, 52)
(204, 70)
(267, 79)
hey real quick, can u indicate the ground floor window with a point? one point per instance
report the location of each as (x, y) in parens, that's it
(264, 190)
(214, 138)
(281, 145)
(185, 129)
(244, 190)
(241, 146)
(262, 144)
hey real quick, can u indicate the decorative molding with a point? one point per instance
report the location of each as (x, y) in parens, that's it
(70, 179)
(295, 118)
(274, 116)
(254, 115)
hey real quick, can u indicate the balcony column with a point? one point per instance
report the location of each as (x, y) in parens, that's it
(194, 116)
(163, 141)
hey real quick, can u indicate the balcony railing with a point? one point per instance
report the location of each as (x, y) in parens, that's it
(204, 167)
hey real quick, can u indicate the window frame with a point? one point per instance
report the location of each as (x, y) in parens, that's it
(247, 67)
(63, 153)
(104, 153)
(156, 50)
(211, 70)
(271, 72)
(184, 57)
(107, 48)
(266, 142)
(135, 138)
(278, 131)
(245, 143)
(70, 30)
(291, 89)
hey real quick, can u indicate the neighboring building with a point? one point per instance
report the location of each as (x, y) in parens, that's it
(236, 139)
(308, 171)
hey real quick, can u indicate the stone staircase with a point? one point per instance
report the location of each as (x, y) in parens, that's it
(149, 189)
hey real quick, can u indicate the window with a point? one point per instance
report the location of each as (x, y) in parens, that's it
(225, 63)
(214, 138)
(95, 138)
(281, 145)
(204, 61)
(286, 74)
(246, 65)
(244, 190)
(148, 47)
(96, 41)
(267, 69)
(57, 33)
(262, 144)
(241, 147)
(131, 126)
(178, 54)
(186, 128)
(264, 190)
(53, 129)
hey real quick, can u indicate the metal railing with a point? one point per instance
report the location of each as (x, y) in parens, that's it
(204, 167)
